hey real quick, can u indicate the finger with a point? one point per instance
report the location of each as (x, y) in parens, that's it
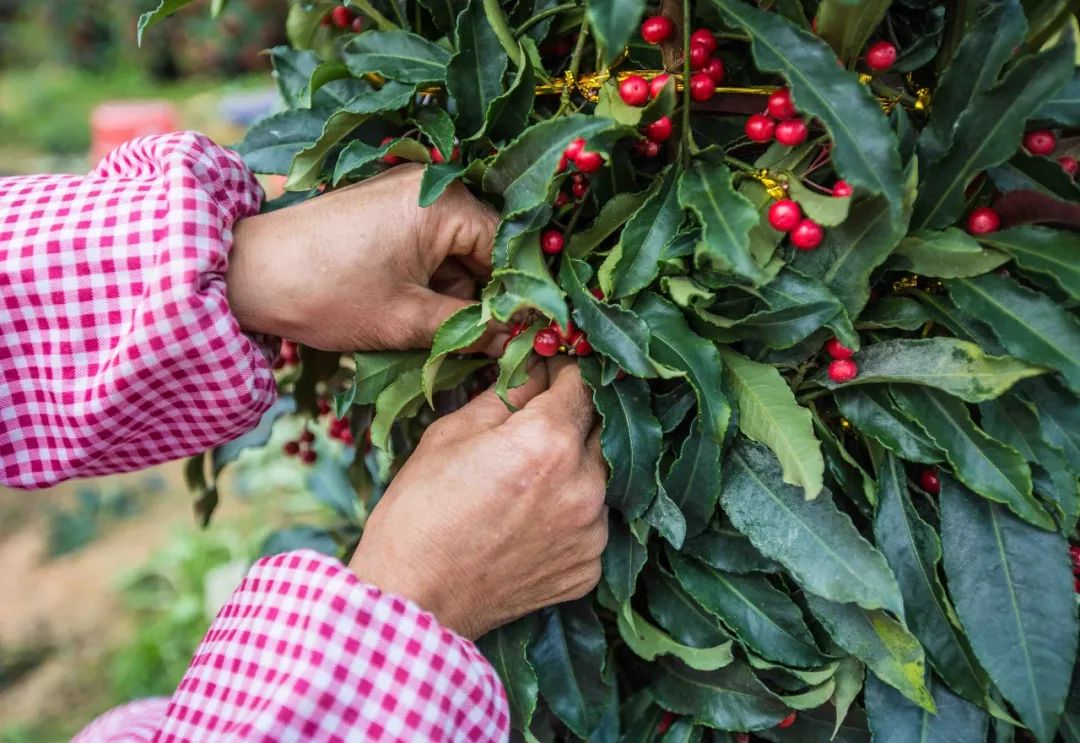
(422, 312)
(567, 398)
(486, 410)
(475, 228)
(454, 279)
(594, 467)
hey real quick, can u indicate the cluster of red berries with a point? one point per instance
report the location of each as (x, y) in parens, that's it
(554, 339)
(1074, 556)
(930, 481)
(655, 134)
(302, 448)
(1042, 143)
(780, 122)
(586, 161)
(579, 186)
(786, 216)
(344, 18)
(881, 56)
(841, 368)
(289, 355)
(709, 68)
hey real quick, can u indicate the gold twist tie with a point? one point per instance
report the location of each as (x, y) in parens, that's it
(771, 185)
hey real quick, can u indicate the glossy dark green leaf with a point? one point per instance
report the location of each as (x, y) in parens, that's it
(686, 620)
(913, 550)
(568, 652)
(614, 22)
(849, 677)
(514, 290)
(903, 313)
(443, 12)
(949, 254)
(1029, 325)
(769, 414)
(894, 719)
(847, 25)
(985, 465)
(664, 516)
(436, 179)
(864, 147)
(676, 346)
(1070, 721)
(631, 439)
(271, 144)
(523, 172)
(513, 364)
(513, 233)
(508, 114)
(1059, 414)
(879, 641)
(693, 482)
(725, 549)
(1002, 568)
(816, 726)
(848, 476)
(672, 407)
(504, 647)
(375, 370)
(726, 218)
(1064, 106)
(460, 330)
(983, 51)
(404, 397)
(397, 55)
(622, 560)
(873, 413)
(954, 366)
(988, 133)
(730, 698)
(762, 617)
(1041, 250)
(798, 306)
(1028, 172)
(825, 209)
(965, 327)
(435, 124)
(817, 543)
(613, 215)
(474, 75)
(164, 9)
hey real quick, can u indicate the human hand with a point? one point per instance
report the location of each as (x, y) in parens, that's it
(362, 267)
(496, 515)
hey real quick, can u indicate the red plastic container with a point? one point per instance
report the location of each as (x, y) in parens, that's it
(115, 122)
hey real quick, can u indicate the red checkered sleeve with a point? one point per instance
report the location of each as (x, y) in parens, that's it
(117, 347)
(305, 651)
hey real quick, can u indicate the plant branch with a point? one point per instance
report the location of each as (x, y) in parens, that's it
(575, 63)
(687, 133)
(543, 14)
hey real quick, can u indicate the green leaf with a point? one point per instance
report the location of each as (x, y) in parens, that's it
(1029, 325)
(375, 370)
(515, 232)
(568, 652)
(989, 132)
(950, 254)
(513, 364)
(816, 542)
(504, 648)
(685, 619)
(1041, 250)
(730, 698)
(443, 12)
(1002, 568)
(521, 290)
(943, 310)
(988, 44)
(849, 677)
(847, 25)
(437, 178)
(438, 127)
(726, 218)
(1059, 413)
(913, 550)
(404, 396)
(631, 439)
(164, 9)
(762, 617)
(728, 550)
(903, 313)
(622, 560)
(460, 330)
(879, 641)
(649, 642)
(769, 415)
(508, 114)
(474, 74)
(954, 366)
(613, 214)
(825, 209)
(693, 482)
(894, 719)
(271, 144)
(985, 465)
(676, 346)
(864, 146)
(397, 55)
(634, 263)
(612, 330)
(1064, 106)
(614, 22)
(874, 414)
(664, 516)
(523, 172)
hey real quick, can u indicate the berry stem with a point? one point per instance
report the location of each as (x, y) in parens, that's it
(565, 7)
(575, 62)
(687, 139)
(740, 165)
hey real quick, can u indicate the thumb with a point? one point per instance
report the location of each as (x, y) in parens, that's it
(424, 311)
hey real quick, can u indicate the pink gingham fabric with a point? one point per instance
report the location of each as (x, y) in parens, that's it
(117, 348)
(306, 652)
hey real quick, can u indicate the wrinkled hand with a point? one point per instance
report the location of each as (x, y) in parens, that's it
(496, 514)
(362, 267)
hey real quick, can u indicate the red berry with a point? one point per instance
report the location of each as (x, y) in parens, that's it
(561, 167)
(665, 723)
(634, 90)
(346, 437)
(1040, 142)
(699, 55)
(517, 329)
(780, 105)
(701, 87)
(389, 159)
(1074, 555)
(357, 25)
(307, 437)
(838, 350)
(308, 456)
(561, 200)
(1069, 165)
(791, 132)
(881, 56)
(929, 481)
(574, 149)
(579, 344)
(564, 333)
(546, 342)
(784, 215)
(1076, 585)
(656, 85)
(647, 148)
(842, 370)
(787, 721)
(656, 29)
(324, 406)
(704, 37)
(589, 162)
(714, 68)
(983, 220)
(438, 159)
(598, 293)
(341, 16)
(291, 448)
(807, 235)
(842, 189)
(659, 130)
(760, 128)
(579, 189)
(742, 737)
(551, 242)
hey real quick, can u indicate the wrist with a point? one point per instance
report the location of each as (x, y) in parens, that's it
(259, 282)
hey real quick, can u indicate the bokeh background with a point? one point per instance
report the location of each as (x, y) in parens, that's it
(107, 585)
